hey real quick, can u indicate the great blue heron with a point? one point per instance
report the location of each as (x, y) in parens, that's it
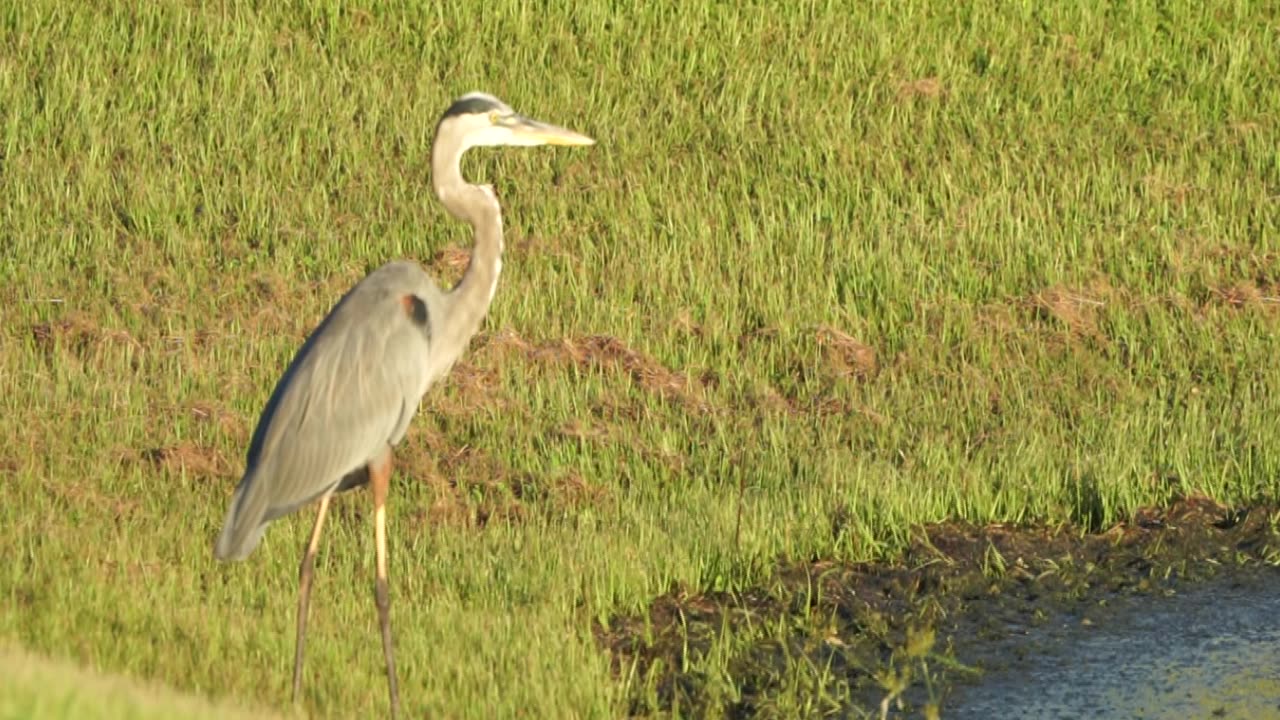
(352, 389)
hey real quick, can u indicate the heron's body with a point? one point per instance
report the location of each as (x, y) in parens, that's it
(349, 394)
(352, 390)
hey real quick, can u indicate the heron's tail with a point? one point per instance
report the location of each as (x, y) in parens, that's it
(245, 523)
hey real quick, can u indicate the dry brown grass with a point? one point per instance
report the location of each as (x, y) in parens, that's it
(579, 430)
(471, 487)
(929, 88)
(79, 334)
(1241, 295)
(448, 264)
(609, 354)
(1166, 189)
(185, 458)
(85, 494)
(469, 387)
(846, 357)
(684, 323)
(820, 390)
(1074, 308)
(212, 413)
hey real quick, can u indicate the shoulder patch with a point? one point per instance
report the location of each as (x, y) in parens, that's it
(416, 310)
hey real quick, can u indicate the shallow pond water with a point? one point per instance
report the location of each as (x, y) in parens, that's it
(1209, 651)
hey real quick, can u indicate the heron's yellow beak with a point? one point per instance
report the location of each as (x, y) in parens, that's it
(537, 132)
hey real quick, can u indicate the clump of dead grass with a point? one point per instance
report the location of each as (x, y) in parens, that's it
(85, 494)
(929, 88)
(845, 356)
(472, 487)
(228, 424)
(605, 353)
(79, 334)
(1076, 309)
(1245, 294)
(579, 430)
(184, 458)
(1160, 187)
(449, 263)
(469, 387)
(684, 323)
(842, 359)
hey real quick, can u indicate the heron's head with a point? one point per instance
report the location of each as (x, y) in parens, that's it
(477, 119)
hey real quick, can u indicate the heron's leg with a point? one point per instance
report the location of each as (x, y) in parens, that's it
(380, 481)
(304, 595)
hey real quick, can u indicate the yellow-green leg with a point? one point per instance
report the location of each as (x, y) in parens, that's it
(380, 481)
(304, 595)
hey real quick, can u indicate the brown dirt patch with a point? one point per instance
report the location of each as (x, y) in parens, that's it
(184, 457)
(270, 287)
(684, 323)
(472, 488)
(580, 430)
(87, 495)
(78, 333)
(1170, 190)
(211, 413)
(571, 492)
(448, 264)
(1074, 308)
(844, 356)
(602, 352)
(929, 88)
(762, 333)
(813, 389)
(1243, 294)
(469, 388)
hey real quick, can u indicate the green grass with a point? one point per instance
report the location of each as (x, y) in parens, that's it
(1047, 241)
(34, 687)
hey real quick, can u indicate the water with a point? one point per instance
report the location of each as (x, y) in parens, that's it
(1208, 652)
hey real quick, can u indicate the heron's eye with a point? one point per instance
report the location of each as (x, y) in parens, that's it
(493, 117)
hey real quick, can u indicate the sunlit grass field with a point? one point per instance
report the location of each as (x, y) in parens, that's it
(36, 687)
(831, 272)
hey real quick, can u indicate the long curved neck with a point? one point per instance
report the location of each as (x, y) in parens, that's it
(478, 206)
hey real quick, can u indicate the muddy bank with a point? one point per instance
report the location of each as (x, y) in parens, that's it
(847, 637)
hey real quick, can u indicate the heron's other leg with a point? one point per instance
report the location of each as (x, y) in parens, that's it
(380, 481)
(304, 594)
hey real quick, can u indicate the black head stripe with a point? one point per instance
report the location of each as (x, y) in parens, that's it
(471, 106)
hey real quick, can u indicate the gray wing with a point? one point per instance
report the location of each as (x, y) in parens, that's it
(349, 393)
